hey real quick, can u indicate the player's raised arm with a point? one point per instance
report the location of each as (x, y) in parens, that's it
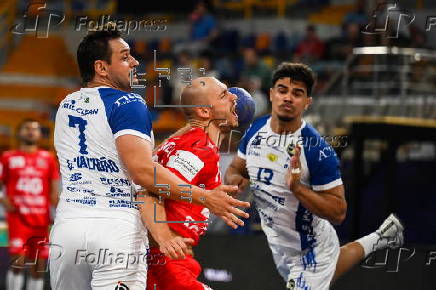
(135, 153)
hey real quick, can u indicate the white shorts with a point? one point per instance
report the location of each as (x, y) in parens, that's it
(98, 254)
(309, 271)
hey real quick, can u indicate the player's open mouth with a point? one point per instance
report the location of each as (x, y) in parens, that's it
(234, 111)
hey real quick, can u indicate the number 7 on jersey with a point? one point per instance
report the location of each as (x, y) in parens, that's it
(81, 124)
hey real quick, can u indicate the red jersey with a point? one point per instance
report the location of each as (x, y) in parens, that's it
(27, 179)
(194, 158)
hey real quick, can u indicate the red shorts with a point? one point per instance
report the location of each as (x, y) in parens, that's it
(26, 240)
(174, 274)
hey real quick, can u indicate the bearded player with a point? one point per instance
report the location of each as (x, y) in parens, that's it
(30, 178)
(191, 154)
(298, 191)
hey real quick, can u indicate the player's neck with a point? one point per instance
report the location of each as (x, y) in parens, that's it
(285, 127)
(210, 129)
(28, 148)
(102, 83)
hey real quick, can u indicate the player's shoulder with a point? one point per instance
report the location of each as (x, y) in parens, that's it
(309, 131)
(257, 124)
(197, 141)
(119, 98)
(9, 153)
(45, 154)
(315, 146)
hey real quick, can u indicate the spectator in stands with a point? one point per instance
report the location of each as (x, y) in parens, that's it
(203, 30)
(358, 15)
(311, 48)
(254, 68)
(340, 48)
(203, 24)
(205, 64)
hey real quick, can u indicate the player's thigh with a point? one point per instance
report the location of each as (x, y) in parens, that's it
(118, 253)
(178, 274)
(66, 238)
(319, 273)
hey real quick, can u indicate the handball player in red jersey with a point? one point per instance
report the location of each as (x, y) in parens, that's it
(192, 154)
(29, 180)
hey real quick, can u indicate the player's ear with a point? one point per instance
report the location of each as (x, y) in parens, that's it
(100, 68)
(202, 112)
(309, 102)
(270, 94)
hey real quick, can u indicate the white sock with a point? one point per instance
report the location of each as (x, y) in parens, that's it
(14, 281)
(369, 243)
(35, 284)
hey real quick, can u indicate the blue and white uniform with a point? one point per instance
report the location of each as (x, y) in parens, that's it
(98, 237)
(305, 247)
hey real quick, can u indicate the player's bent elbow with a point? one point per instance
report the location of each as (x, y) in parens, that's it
(339, 217)
(143, 176)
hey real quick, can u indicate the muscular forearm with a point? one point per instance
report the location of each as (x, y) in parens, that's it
(324, 205)
(152, 211)
(162, 182)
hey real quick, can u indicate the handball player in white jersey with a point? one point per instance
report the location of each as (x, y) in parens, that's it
(295, 178)
(104, 142)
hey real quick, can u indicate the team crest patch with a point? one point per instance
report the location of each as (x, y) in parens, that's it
(291, 284)
(121, 286)
(272, 157)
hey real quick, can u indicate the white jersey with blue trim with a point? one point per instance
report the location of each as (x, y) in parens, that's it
(94, 181)
(285, 221)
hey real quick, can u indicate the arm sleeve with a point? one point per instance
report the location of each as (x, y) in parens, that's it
(131, 118)
(324, 168)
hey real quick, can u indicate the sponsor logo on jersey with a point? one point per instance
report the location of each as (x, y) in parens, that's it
(122, 203)
(76, 176)
(272, 157)
(291, 284)
(88, 200)
(129, 98)
(81, 111)
(17, 162)
(253, 152)
(326, 152)
(84, 190)
(186, 163)
(41, 163)
(257, 140)
(114, 181)
(101, 164)
(121, 286)
(116, 192)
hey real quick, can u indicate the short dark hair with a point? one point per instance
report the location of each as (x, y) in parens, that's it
(297, 72)
(25, 121)
(94, 46)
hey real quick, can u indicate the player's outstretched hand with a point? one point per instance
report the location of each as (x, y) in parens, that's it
(177, 247)
(220, 203)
